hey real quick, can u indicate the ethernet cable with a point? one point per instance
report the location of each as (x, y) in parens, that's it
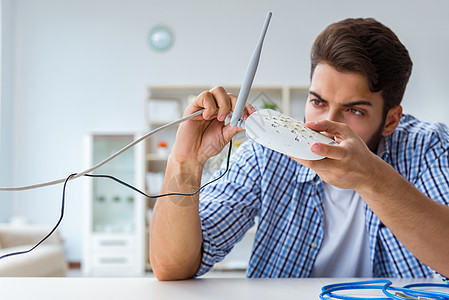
(235, 121)
(85, 173)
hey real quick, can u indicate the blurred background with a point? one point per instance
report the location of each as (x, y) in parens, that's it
(73, 67)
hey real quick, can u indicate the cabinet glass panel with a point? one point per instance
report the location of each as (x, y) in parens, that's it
(113, 204)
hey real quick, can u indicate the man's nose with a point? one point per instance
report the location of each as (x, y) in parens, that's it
(334, 115)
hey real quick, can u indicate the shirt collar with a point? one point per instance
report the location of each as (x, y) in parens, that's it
(383, 148)
(304, 174)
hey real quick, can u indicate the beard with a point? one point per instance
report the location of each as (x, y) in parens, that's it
(373, 142)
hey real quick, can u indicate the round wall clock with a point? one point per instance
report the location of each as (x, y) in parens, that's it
(161, 38)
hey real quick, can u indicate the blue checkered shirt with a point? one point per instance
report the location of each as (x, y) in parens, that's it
(287, 199)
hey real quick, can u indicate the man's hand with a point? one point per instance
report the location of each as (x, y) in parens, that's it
(204, 136)
(349, 164)
(175, 229)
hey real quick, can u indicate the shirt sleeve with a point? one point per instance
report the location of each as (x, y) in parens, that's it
(434, 179)
(228, 207)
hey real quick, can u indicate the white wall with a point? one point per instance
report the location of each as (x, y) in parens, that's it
(6, 68)
(82, 65)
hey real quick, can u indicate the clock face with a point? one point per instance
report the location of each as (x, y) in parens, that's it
(161, 38)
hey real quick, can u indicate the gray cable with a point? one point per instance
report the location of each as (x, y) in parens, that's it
(130, 145)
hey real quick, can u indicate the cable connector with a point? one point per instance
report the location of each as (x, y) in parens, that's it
(405, 296)
(241, 124)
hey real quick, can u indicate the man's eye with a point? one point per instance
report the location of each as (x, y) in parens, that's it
(316, 102)
(357, 112)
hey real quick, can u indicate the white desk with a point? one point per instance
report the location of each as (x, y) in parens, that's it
(150, 288)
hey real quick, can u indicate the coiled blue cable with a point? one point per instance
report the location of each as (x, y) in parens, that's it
(405, 292)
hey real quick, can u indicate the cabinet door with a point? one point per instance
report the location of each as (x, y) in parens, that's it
(113, 205)
(114, 234)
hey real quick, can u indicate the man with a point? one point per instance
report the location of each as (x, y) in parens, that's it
(376, 206)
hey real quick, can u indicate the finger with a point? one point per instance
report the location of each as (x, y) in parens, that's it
(207, 101)
(204, 100)
(330, 151)
(223, 102)
(229, 132)
(248, 111)
(339, 130)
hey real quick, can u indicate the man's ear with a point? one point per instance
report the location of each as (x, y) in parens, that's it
(392, 120)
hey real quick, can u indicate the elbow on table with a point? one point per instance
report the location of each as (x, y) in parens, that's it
(164, 272)
(170, 274)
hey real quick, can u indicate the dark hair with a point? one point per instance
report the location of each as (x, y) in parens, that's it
(370, 48)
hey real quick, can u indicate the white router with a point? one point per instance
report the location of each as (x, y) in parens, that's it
(284, 134)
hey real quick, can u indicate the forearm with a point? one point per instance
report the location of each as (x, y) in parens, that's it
(175, 230)
(419, 222)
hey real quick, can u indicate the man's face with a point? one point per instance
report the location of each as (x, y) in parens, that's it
(346, 98)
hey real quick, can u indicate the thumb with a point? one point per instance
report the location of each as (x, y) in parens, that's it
(229, 132)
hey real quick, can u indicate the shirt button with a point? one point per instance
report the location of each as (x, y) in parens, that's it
(313, 245)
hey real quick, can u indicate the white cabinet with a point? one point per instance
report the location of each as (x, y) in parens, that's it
(114, 233)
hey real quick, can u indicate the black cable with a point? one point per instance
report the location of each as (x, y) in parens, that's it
(54, 228)
(123, 183)
(168, 194)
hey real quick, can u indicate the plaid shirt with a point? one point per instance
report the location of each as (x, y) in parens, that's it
(287, 199)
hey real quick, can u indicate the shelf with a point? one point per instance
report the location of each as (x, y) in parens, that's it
(160, 123)
(157, 157)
